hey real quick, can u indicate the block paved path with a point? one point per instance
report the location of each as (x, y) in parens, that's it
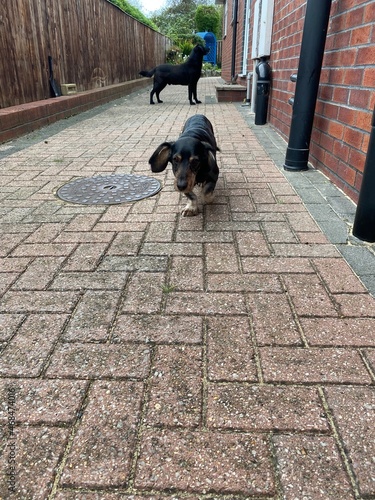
(146, 355)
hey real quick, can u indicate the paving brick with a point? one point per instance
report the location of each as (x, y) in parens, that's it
(328, 365)
(9, 324)
(353, 409)
(39, 273)
(175, 390)
(359, 305)
(208, 303)
(279, 265)
(96, 280)
(43, 301)
(221, 257)
(309, 296)
(230, 350)
(28, 351)
(273, 320)
(104, 444)
(186, 273)
(205, 462)
(252, 243)
(93, 361)
(338, 276)
(235, 282)
(265, 408)
(126, 243)
(38, 451)
(39, 402)
(144, 293)
(92, 318)
(158, 328)
(43, 249)
(339, 332)
(310, 467)
(85, 257)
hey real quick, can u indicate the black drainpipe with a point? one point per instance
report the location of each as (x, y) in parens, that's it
(307, 86)
(234, 41)
(364, 222)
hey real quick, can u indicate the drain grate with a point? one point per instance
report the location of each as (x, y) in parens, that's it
(109, 189)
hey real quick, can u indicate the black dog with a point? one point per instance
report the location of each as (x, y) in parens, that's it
(187, 73)
(193, 158)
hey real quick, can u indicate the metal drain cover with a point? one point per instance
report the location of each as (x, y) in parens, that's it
(109, 189)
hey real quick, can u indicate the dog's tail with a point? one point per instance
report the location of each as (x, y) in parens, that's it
(149, 74)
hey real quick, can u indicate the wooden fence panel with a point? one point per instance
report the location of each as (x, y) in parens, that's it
(92, 44)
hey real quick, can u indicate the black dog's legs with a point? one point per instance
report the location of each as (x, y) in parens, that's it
(193, 93)
(208, 192)
(192, 205)
(158, 87)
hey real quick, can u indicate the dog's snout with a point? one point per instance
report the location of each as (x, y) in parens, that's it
(182, 184)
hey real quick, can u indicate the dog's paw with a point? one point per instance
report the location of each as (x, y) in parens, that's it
(198, 102)
(189, 211)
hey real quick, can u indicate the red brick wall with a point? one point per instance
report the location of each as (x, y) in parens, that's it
(226, 67)
(346, 96)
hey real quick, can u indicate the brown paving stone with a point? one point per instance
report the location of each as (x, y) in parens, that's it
(67, 494)
(39, 273)
(332, 365)
(43, 249)
(187, 235)
(96, 280)
(208, 303)
(160, 231)
(264, 408)
(158, 328)
(85, 257)
(28, 351)
(230, 350)
(14, 264)
(221, 257)
(303, 250)
(310, 467)
(339, 332)
(370, 353)
(235, 282)
(38, 451)
(175, 390)
(9, 324)
(125, 243)
(92, 317)
(278, 232)
(309, 296)
(338, 276)
(360, 305)
(90, 237)
(104, 444)
(144, 293)
(94, 361)
(273, 320)
(42, 301)
(205, 462)
(279, 265)
(252, 243)
(193, 249)
(353, 409)
(186, 273)
(43, 401)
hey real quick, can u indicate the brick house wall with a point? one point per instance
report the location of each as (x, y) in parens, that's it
(346, 96)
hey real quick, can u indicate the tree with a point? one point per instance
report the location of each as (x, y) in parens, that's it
(208, 18)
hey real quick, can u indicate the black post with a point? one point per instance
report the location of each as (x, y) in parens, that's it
(234, 42)
(307, 86)
(364, 222)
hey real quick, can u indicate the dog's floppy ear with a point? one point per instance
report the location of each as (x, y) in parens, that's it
(160, 158)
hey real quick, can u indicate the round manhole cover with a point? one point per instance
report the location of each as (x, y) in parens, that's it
(109, 189)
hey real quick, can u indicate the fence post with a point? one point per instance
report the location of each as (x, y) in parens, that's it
(364, 222)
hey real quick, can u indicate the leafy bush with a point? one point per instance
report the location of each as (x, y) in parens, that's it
(126, 7)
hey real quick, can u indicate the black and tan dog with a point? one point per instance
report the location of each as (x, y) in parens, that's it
(187, 73)
(193, 159)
